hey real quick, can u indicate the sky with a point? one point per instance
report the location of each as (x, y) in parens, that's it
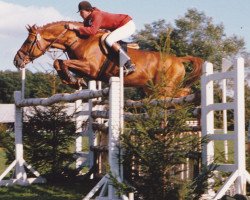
(16, 14)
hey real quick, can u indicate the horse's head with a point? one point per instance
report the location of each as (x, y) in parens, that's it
(33, 47)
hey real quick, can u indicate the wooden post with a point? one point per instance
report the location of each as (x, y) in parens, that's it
(21, 175)
(91, 134)
(114, 131)
(225, 67)
(207, 118)
(79, 132)
(239, 125)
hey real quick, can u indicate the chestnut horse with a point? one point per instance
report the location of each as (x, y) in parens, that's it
(88, 59)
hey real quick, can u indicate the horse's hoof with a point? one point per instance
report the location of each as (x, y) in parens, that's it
(81, 82)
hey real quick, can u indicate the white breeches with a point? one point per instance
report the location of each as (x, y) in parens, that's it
(121, 33)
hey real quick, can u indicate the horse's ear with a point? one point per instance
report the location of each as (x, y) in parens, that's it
(33, 28)
(28, 27)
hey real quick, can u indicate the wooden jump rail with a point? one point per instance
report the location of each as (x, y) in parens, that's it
(192, 98)
(64, 97)
(168, 101)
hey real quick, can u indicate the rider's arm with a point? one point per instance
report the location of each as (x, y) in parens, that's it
(92, 29)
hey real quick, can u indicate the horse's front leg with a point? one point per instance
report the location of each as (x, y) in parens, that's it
(62, 68)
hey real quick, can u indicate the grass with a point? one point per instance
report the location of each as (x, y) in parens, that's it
(220, 152)
(2, 160)
(72, 190)
(64, 190)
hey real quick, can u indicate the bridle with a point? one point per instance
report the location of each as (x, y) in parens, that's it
(39, 43)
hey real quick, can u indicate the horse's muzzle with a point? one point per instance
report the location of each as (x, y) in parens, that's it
(19, 60)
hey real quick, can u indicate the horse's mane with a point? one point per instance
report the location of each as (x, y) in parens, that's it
(59, 23)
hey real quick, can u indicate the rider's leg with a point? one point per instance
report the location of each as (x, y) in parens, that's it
(121, 33)
(128, 66)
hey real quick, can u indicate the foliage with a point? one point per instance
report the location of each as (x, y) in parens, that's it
(7, 142)
(47, 137)
(37, 85)
(193, 34)
(9, 82)
(48, 134)
(156, 145)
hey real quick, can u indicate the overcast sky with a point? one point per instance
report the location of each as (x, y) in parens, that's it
(15, 14)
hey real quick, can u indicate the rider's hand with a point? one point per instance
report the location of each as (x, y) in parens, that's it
(71, 27)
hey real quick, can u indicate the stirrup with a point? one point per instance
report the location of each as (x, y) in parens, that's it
(128, 69)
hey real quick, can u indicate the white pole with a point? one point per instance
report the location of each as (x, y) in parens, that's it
(239, 126)
(225, 66)
(99, 140)
(116, 123)
(99, 87)
(23, 74)
(21, 175)
(114, 131)
(79, 131)
(207, 119)
(92, 86)
(122, 61)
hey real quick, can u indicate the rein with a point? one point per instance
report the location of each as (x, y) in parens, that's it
(58, 37)
(37, 42)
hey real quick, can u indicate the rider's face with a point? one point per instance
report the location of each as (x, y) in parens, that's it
(84, 13)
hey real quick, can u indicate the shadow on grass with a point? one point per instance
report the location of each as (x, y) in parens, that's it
(70, 190)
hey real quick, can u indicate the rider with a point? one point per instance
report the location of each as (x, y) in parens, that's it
(120, 25)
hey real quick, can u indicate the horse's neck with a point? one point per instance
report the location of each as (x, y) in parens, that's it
(58, 37)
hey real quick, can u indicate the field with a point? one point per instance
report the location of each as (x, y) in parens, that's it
(74, 190)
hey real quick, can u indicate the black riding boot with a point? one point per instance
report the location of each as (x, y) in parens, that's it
(128, 66)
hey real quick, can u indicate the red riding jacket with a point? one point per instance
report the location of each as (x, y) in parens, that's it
(102, 20)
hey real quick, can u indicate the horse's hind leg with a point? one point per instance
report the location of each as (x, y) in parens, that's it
(65, 75)
(172, 80)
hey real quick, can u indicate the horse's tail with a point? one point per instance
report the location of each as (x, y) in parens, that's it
(195, 74)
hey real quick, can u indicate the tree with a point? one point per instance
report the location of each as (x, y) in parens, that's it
(7, 142)
(194, 34)
(48, 136)
(155, 145)
(9, 82)
(37, 84)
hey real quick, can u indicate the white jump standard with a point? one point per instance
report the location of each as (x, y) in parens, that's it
(239, 174)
